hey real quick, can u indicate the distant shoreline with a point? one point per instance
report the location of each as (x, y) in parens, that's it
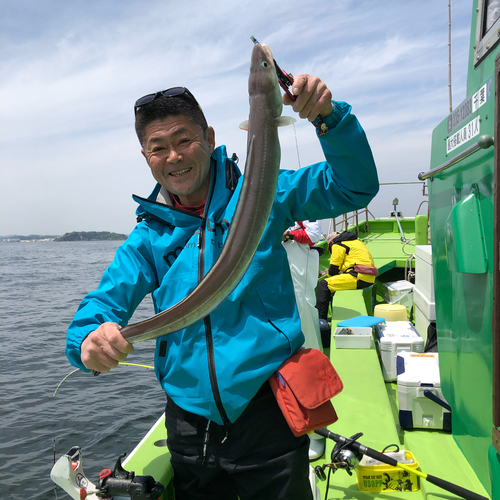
(73, 236)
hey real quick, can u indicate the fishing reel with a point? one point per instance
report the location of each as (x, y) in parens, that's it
(343, 457)
(69, 475)
(124, 483)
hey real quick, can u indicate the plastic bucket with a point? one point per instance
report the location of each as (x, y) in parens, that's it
(391, 312)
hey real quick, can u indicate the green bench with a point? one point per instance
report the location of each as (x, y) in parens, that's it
(350, 303)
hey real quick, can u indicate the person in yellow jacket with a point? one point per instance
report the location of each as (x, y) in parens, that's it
(351, 268)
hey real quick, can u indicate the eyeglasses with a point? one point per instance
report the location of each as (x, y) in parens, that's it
(173, 92)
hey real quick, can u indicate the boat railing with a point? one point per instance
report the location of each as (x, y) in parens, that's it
(346, 220)
(484, 142)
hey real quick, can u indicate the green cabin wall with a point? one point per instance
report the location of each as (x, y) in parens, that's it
(461, 221)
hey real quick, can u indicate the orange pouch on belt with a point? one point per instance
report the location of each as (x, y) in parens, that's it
(303, 386)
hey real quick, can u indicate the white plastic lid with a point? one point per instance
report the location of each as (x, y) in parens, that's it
(418, 369)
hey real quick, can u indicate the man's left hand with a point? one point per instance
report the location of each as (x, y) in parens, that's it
(313, 97)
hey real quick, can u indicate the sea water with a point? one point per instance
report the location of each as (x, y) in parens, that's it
(41, 285)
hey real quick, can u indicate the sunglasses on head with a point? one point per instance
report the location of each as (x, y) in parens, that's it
(173, 92)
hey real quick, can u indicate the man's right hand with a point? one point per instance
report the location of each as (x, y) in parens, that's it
(104, 348)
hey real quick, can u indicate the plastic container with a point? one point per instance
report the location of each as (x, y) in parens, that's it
(383, 477)
(424, 280)
(425, 305)
(398, 292)
(421, 401)
(391, 312)
(425, 313)
(391, 339)
(361, 338)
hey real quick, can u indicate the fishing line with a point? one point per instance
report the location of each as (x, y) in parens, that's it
(135, 364)
(120, 363)
(296, 145)
(59, 385)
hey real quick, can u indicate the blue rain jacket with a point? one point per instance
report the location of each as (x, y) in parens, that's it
(214, 367)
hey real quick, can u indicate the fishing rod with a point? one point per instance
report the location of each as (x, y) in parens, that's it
(359, 448)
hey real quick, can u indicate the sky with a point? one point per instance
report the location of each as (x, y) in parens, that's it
(71, 70)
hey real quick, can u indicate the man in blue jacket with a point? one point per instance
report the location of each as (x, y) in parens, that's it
(226, 434)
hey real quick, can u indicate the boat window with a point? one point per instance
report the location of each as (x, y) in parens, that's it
(487, 28)
(492, 13)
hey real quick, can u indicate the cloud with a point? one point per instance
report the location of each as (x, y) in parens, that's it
(71, 71)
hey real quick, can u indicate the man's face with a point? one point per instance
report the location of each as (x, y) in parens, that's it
(178, 153)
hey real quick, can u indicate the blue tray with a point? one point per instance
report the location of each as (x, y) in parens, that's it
(361, 321)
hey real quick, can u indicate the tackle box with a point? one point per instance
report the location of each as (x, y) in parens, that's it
(374, 476)
(421, 402)
(398, 292)
(392, 338)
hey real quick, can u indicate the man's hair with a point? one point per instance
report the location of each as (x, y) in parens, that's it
(162, 108)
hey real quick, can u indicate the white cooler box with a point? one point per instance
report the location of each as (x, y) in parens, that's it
(398, 292)
(421, 402)
(392, 338)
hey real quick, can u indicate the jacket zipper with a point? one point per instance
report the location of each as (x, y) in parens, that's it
(213, 374)
(208, 327)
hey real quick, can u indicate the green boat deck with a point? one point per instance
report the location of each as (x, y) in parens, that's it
(384, 239)
(368, 404)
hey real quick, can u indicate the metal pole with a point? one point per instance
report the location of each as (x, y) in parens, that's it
(496, 266)
(449, 53)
